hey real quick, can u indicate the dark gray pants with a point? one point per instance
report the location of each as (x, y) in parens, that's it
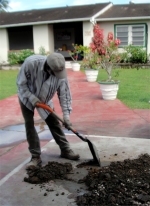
(32, 136)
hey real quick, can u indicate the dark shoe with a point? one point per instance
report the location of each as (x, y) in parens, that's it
(69, 154)
(35, 162)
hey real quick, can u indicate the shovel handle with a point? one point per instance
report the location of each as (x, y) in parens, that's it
(44, 106)
(91, 146)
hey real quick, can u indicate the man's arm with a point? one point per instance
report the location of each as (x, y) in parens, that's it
(23, 80)
(65, 100)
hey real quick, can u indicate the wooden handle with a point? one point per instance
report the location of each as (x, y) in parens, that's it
(44, 106)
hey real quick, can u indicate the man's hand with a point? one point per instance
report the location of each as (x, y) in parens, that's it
(67, 122)
(38, 101)
(35, 101)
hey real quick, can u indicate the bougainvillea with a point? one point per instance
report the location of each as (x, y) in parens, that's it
(106, 50)
(98, 44)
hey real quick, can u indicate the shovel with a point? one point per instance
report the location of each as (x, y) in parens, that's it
(91, 145)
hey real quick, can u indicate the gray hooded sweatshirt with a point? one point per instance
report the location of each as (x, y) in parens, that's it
(35, 84)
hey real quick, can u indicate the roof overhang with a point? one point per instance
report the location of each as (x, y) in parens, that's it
(123, 18)
(100, 12)
(92, 19)
(44, 22)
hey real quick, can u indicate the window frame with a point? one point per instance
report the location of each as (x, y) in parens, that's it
(129, 36)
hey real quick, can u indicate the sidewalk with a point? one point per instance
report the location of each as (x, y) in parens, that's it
(110, 125)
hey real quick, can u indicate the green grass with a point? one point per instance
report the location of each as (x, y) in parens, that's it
(134, 87)
(8, 83)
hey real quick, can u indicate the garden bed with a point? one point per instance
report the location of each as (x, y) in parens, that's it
(131, 65)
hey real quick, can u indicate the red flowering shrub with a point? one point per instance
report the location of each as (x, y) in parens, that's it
(107, 50)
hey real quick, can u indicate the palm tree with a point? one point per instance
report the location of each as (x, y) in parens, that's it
(4, 5)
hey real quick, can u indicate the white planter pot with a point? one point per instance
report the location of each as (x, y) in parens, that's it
(68, 65)
(75, 66)
(109, 90)
(91, 75)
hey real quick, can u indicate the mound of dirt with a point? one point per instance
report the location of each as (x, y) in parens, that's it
(53, 170)
(122, 183)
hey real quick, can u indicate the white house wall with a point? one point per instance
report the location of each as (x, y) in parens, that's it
(87, 33)
(148, 42)
(109, 27)
(4, 47)
(43, 37)
(51, 38)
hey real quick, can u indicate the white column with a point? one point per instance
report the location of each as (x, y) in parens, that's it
(43, 37)
(4, 46)
(148, 40)
(87, 33)
(51, 38)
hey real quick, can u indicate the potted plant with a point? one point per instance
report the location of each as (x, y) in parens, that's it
(90, 63)
(109, 57)
(75, 54)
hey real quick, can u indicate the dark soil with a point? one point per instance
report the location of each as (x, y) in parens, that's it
(51, 171)
(121, 183)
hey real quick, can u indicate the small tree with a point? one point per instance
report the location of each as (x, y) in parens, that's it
(106, 50)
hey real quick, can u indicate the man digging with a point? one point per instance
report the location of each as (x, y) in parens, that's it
(39, 78)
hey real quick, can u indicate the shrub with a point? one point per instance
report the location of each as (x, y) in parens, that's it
(13, 57)
(24, 54)
(134, 54)
(18, 57)
(42, 51)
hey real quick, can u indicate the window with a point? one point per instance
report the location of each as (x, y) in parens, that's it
(131, 34)
(20, 38)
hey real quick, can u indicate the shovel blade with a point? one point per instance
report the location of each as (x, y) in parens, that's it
(94, 152)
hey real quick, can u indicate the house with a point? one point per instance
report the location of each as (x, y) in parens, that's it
(54, 28)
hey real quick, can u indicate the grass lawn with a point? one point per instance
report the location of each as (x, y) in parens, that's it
(8, 83)
(134, 87)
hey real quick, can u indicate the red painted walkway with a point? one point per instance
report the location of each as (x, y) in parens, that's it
(91, 115)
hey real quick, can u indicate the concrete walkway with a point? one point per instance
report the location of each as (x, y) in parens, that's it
(117, 132)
